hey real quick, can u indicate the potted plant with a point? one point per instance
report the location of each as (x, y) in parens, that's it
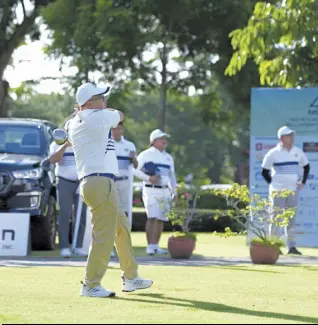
(181, 244)
(255, 215)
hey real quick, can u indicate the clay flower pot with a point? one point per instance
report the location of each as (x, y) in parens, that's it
(264, 254)
(181, 247)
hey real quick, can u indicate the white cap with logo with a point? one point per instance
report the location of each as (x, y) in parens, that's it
(156, 134)
(285, 130)
(86, 91)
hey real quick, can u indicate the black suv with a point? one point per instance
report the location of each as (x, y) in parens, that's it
(27, 179)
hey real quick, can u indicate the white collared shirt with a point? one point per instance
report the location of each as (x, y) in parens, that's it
(66, 167)
(90, 135)
(163, 161)
(286, 167)
(123, 148)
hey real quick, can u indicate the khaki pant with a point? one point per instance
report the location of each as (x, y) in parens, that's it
(109, 224)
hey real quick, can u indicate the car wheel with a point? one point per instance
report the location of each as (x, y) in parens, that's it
(44, 229)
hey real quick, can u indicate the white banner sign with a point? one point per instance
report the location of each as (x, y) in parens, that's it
(14, 234)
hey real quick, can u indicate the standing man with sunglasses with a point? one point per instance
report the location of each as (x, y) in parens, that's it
(97, 166)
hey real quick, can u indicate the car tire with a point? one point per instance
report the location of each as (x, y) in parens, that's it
(43, 231)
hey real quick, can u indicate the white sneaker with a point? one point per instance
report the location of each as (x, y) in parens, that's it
(150, 251)
(97, 292)
(80, 252)
(65, 252)
(161, 251)
(136, 284)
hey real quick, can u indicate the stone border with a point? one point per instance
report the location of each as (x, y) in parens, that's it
(159, 261)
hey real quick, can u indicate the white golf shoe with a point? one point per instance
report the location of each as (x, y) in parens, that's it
(80, 252)
(66, 252)
(136, 284)
(161, 251)
(97, 292)
(150, 251)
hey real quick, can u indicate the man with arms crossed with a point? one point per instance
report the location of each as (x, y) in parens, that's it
(282, 171)
(158, 190)
(97, 166)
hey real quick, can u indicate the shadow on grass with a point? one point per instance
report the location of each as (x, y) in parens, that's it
(215, 307)
(246, 268)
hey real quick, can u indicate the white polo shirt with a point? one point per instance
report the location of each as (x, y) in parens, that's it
(66, 167)
(286, 167)
(90, 135)
(163, 161)
(123, 148)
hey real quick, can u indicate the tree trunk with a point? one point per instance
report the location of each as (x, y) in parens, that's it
(163, 89)
(4, 96)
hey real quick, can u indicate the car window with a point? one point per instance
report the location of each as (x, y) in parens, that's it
(20, 140)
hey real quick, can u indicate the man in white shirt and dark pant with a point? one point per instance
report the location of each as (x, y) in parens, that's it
(159, 187)
(97, 166)
(286, 167)
(67, 197)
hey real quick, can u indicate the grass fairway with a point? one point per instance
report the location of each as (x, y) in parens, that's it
(181, 294)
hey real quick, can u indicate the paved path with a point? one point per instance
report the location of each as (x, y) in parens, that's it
(163, 261)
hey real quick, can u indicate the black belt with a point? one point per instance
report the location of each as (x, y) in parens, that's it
(123, 178)
(112, 176)
(156, 186)
(67, 180)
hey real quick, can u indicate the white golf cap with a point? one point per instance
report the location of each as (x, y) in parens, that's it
(285, 130)
(88, 90)
(156, 134)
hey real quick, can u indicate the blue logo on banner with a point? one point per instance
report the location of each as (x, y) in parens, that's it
(313, 108)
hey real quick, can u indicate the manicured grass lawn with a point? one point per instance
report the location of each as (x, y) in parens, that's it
(208, 245)
(181, 294)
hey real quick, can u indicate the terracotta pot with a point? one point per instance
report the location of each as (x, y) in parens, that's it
(181, 247)
(262, 254)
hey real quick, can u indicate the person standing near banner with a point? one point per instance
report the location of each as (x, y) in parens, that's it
(97, 166)
(286, 167)
(67, 197)
(156, 169)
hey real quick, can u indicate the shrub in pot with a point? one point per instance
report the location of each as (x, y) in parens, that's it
(181, 244)
(255, 215)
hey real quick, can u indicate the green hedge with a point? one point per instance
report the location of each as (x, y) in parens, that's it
(206, 200)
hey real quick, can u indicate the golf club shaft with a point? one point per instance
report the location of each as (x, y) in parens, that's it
(72, 115)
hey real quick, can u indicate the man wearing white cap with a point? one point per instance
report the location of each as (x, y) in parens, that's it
(156, 169)
(97, 166)
(286, 167)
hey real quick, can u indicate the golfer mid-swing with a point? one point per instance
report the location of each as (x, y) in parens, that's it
(96, 167)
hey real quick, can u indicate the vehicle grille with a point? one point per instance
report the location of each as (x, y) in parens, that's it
(4, 181)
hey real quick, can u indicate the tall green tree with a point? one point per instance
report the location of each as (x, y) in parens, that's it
(138, 43)
(280, 37)
(13, 30)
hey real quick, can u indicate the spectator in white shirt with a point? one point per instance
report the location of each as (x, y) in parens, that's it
(285, 167)
(126, 155)
(156, 169)
(67, 197)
